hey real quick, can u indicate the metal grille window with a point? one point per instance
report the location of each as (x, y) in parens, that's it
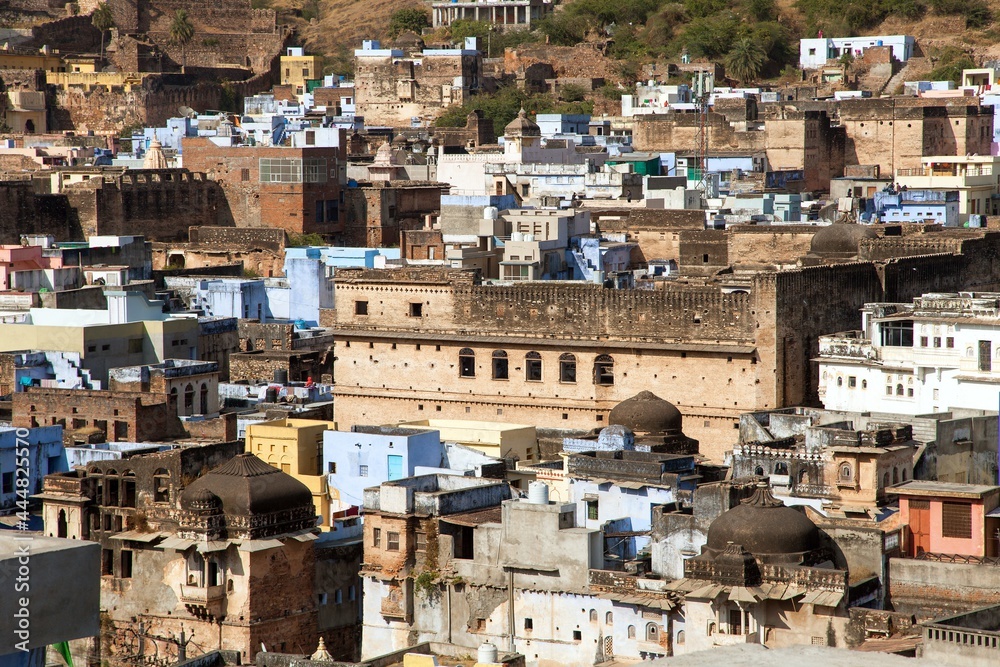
(956, 520)
(280, 170)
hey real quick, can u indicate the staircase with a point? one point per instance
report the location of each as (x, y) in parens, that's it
(915, 70)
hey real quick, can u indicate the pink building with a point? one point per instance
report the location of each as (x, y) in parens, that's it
(948, 518)
(25, 268)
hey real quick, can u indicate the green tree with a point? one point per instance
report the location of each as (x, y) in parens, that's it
(408, 19)
(762, 10)
(103, 20)
(712, 36)
(181, 32)
(745, 60)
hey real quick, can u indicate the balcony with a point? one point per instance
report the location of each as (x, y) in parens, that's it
(206, 602)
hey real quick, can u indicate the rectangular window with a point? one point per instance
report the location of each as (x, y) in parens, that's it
(421, 541)
(949, 343)
(416, 310)
(528, 624)
(244, 174)
(7, 483)
(363, 471)
(360, 307)
(338, 596)
(392, 541)
(567, 371)
(107, 562)
(937, 341)
(376, 537)
(897, 334)
(126, 562)
(956, 520)
(923, 341)
(331, 468)
(985, 355)
(280, 170)
(500, 367)
(577, 635)
(592, 510)
(332, 210)
(135, 346)
(533, 370)
(852, 381)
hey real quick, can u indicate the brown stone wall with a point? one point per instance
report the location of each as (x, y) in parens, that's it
(22, 211)
(656, 231)
(159, 205)
(771, 244)
(378, 212)
(421, 244)
(258, 365)
(392, 90)
(703, 253)
(122, 416)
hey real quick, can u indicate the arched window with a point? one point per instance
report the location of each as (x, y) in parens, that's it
(173, 398)
(899, 390)
(652, 632)
(864, 384)
(904, 474)
(840, 382)
(61, 530)
(780, 468)
(609, 618)
(885, 480)
(189, 400)
(567, 368)
(604, 370)
(533, 367)
(759, 471)
(895, 476)
(128, 489)
(466, 363)
(846, 474)
(500, 365)
(804, 476)
(161, 486)
(204, 398)
(631, 632)
(680, 638)
(593, 616)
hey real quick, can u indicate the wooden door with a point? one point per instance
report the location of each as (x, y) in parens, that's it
(920, 527)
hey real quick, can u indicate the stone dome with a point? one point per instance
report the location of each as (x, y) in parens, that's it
(522, 126)
(246, 486)
(840, 239)
(766, 528)
(646, 413)
(199, 499)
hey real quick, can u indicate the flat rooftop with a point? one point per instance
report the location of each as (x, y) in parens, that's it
(949, 489)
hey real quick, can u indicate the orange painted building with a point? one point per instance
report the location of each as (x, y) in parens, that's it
(948, 518)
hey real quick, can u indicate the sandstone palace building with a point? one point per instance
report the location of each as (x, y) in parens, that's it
(437, 342)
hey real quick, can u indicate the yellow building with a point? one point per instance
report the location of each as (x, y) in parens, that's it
(497, 439)
(295, 446)
(297, 68)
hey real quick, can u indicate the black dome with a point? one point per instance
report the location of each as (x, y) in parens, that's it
(646, 413)
(840, 238)
(765, 527)
(245, 485)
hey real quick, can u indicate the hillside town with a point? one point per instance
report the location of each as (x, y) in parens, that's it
(352, 356)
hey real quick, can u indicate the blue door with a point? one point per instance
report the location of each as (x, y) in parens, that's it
(395, 467)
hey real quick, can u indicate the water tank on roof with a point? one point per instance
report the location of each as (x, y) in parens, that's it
(538, 493)
(529, 237)
(490, 213)
(281, 376)
(517, 236)
(487, 654)
(271, 395)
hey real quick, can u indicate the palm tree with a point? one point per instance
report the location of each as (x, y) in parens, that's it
(103, 20)
(745, 60)
(181, 32)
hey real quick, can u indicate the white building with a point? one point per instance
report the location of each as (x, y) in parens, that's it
(940, 352)
(652, 98)
(815, 52)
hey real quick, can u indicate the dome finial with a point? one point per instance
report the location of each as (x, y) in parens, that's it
(321, 652)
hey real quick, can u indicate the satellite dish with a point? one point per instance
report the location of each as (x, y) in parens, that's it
(187, 112)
